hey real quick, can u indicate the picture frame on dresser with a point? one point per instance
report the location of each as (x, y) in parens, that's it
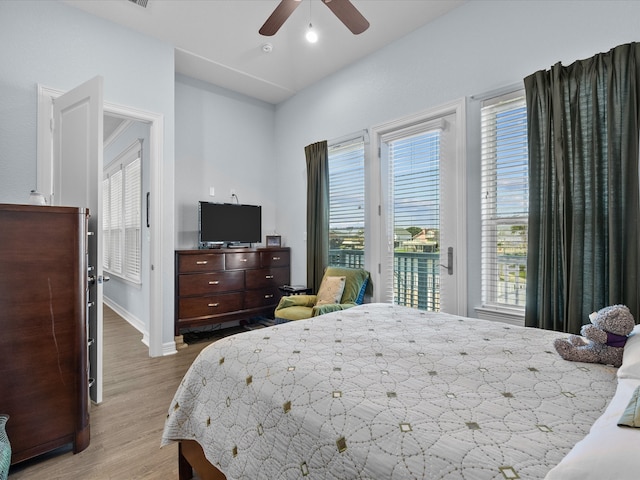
(274, 241)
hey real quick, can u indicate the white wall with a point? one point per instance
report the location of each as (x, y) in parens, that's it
(226, 141)
(49, 43)
(479, 47)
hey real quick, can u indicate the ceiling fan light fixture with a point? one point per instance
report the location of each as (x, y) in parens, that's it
(311, 35)
(346, 12)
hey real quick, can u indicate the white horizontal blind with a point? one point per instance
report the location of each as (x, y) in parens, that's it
(505, 200)
(347, 204)
(122, 218)
(132, 219)
(115, 222)
(414, 217)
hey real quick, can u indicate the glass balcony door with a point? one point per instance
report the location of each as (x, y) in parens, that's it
(422, 213)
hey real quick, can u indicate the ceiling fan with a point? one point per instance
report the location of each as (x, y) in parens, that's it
(343, 9)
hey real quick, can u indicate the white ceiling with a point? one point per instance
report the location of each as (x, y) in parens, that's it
(217, 41)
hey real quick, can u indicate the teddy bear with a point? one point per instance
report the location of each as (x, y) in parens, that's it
(602, 340)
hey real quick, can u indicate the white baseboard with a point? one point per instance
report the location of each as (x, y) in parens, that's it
(168, 348)
(134, 321)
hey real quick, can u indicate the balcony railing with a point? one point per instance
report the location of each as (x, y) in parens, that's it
(511, 286)
(340, 257)
(416, 277)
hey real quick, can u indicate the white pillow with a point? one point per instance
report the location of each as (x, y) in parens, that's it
(631, 356)
(330, 290)
(608, 451)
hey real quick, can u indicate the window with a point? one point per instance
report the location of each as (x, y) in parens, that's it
(121, 219)
(346, 204)
(401, 213)
(505, 199)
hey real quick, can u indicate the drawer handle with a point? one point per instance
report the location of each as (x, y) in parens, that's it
(214, 282)
(202, 262)
(276, 258)
(213, 304)
(268, 276)
(269, 295)
(243, 259)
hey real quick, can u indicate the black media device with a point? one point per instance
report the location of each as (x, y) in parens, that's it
(228, 224)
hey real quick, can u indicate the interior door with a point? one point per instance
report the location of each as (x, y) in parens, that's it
(77, 181)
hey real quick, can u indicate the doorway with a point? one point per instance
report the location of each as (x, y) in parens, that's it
(421, 222)
(125, 233)
(154, 313)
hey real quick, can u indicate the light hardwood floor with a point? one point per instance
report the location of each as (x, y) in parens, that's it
(126, 427)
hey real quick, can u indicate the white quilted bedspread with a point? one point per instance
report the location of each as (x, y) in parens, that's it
(386, 392)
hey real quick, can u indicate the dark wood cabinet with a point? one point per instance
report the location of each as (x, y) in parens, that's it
(217, 286)
(43, 346)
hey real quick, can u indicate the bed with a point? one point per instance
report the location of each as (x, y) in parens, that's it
(387, 392)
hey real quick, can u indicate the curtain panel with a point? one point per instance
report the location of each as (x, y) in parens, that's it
(583, 197)
(317, 155)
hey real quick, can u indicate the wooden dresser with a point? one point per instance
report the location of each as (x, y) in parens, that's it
(216, 286)
(43, 345)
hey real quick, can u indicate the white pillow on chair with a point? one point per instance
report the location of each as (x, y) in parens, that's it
(330, 290)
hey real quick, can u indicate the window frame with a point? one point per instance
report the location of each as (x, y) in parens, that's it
(491, 220)
(351, 142)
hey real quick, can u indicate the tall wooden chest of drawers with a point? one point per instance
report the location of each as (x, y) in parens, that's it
(216, 286)
(43, 345)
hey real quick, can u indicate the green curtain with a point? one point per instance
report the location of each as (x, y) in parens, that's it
(317, 155)
(583, 189)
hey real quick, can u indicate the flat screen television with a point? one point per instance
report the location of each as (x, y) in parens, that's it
(228, 223)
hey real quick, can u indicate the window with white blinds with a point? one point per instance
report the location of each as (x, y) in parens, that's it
(113, 216)
(414, 218)
(132, 220)
(122, 222)
(347, 203)
(505, 200)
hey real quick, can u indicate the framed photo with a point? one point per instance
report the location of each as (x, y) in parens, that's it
(273, 241)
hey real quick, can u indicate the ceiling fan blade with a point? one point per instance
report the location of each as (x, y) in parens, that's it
(284, 9)
(348, 14)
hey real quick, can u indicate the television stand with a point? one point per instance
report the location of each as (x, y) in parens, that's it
(236, 245)
(224, 285)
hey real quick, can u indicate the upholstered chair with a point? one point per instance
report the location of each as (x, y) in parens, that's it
(341, 288)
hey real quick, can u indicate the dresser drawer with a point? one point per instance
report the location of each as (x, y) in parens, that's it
(209, 305)
(207, 283)
(241, 260)
(262, 298)
(267, 277)
(201, 262)
(277, 258)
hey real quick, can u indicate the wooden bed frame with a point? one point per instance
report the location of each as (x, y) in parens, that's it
(191, 458)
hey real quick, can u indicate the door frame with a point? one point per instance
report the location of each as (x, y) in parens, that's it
(456, 108)
(156, 152)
